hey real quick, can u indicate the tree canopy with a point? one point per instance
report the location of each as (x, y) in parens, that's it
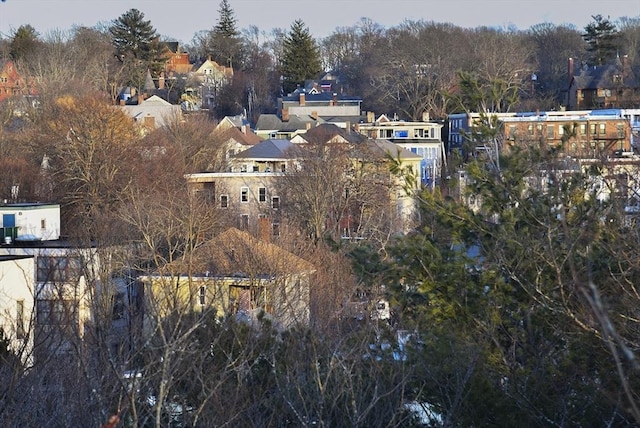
(603, 39)
(301, 57)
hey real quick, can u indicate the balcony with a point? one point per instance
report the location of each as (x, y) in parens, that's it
(8, 234)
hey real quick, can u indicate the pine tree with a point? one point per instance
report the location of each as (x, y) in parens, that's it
(136, 44)
(224, 45)
(603, 39)
(301, 57)
(226, 26)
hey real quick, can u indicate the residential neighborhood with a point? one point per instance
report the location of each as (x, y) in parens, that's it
(367, 230)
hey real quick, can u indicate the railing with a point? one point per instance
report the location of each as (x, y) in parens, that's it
(8, 232)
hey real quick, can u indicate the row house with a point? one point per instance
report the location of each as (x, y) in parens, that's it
(609, 132)
(591, 134)
(423, 138)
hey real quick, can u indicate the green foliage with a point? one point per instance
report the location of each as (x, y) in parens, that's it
(603, 39)
(225, 44)
(24, 42)
(136, 44)
(301, 57)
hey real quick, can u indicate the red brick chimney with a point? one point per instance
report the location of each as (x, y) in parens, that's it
(303, 99)
(285, 114)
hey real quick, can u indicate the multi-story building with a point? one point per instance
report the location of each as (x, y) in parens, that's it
(60, 287)
(422, 138)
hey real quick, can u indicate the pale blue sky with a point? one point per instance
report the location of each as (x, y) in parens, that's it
(181, 19)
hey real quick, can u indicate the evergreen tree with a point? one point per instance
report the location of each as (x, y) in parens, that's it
(225, 45)
(24, 42)
(603, 39)
(301, 57)
(136, 44)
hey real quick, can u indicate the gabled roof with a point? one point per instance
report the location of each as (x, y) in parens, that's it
(603, 76)
(384, 147)
(326, 132)
(247, 138)
(272, 149)
(238, 121)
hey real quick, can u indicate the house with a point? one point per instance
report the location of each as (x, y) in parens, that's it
(331, 106)
(423, 138)
(17, 293)
(286, 127)
(64, 278)
(236, 274)
(12, 83)
(205, 82)
(152, 113)
(249, 190)
(177, 60)
(612, 85)
(236, 135)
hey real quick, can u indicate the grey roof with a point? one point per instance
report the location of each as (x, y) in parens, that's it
(322, 97)
(326, 131)
(388, 148)
(295, 122)
(268, 149)
(602, 76)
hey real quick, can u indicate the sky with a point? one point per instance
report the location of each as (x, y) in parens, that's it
(179, 20)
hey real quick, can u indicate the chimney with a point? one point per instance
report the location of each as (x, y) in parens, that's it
(243, 129)
(161, 81)
(264, 229)
(303, 99)
(285, 115)
(314, 115)
(371, 117)
(308, 125)
(122, 101)
(425, 116)
(570, 68)
(334, 100)
(348, 127)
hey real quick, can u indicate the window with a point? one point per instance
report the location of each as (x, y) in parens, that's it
(603, 128)
(620, 130)
(275, 229)
(560, 130)
(202, 295)
(275, 202)
(56, 312)
(20, 332)
(583, 129)
(43, 223)
(244, 194)
(512, 132)
(550, 131)
(244, 222)
(224, 201)
(117, 312)
(58, 269)
(262, 194)
(530, 129)
(592, 128)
